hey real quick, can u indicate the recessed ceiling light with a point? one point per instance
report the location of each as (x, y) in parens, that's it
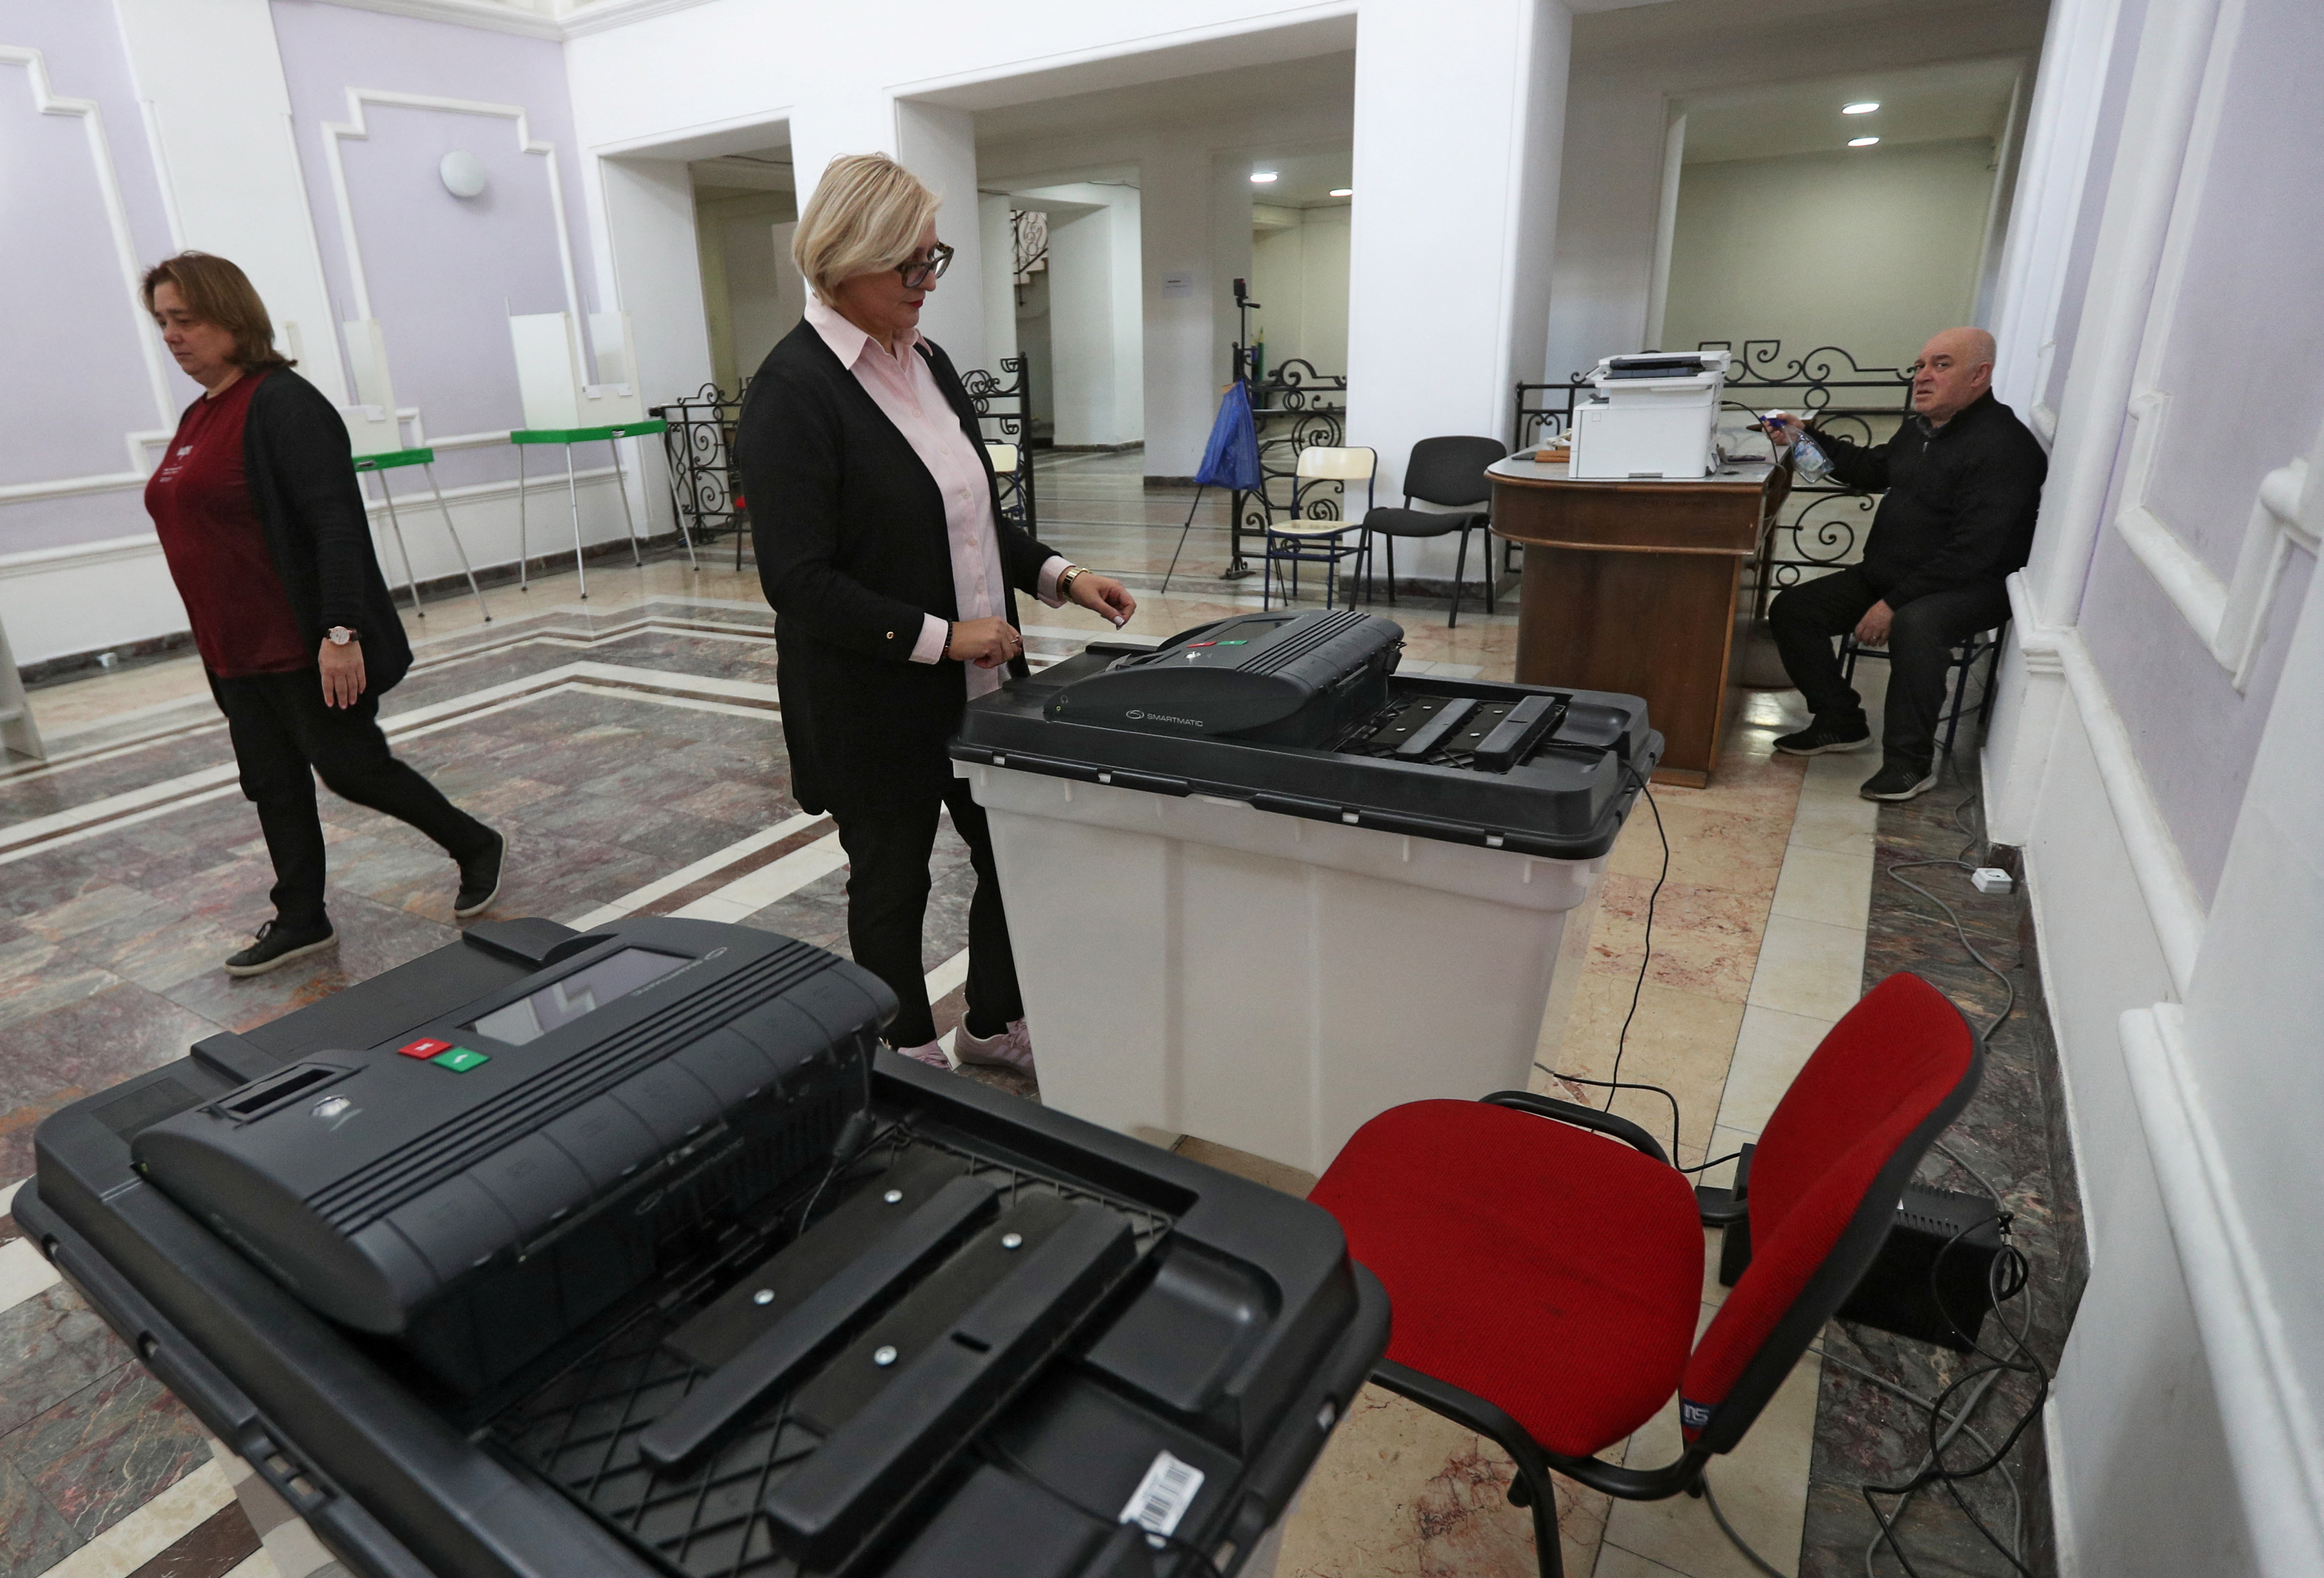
(1862, 142)
(1344, 191)
(1262, 176)
(1862, 107)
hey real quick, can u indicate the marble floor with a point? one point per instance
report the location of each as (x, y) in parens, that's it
(630, 746)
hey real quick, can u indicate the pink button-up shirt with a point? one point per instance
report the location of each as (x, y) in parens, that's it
(902, 386)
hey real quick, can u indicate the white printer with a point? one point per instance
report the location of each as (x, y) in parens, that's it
(1653, 417)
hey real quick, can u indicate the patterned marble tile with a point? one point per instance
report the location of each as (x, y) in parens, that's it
(34, 1537)
(107, 1449)
(1400, 1492)
(97, 1041)
(51, 1346)
(1706, 940)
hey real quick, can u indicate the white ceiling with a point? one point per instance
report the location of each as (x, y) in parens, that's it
(1926, 104)
(1815, 23)
(1304, 180)
(1326, 78)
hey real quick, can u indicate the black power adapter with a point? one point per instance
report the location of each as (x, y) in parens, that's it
(1918, 1287)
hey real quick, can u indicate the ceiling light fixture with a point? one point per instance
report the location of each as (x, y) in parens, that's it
(1862, 107)
(1344, 191)
(462, 173)
(1263, 176)
(1862, 142)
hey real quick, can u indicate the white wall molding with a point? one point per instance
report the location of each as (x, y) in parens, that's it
(2270, 1423)
(48, 102)
(485, 13)
(2173, 904)
(355, 127)
(2158, 129)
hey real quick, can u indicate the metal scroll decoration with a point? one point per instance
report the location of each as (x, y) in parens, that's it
(1004, 412)
(1820, 526)
(1295, 406)
(699, 446)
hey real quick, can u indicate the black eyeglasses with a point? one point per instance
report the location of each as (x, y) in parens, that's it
(921, 271)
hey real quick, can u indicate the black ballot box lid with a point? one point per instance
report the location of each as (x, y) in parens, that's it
(1331, 732)
(1087, 1329)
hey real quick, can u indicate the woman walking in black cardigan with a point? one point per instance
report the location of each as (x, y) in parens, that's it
(266, 536)
(893, 574)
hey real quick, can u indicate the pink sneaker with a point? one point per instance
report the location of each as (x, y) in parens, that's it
(1012, 1048)
(931, 1053)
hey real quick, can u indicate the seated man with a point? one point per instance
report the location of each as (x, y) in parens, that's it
(1964, 478)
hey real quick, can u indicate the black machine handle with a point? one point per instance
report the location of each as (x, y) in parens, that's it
(922, 1415)
(738, 1387)
(1519, 732)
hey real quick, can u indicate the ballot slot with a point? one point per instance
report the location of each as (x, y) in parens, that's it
(1484, 735)
(946, 1319)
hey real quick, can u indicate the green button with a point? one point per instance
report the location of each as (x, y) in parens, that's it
(459, 1059)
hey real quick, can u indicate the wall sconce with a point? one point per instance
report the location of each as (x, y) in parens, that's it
(463, 174)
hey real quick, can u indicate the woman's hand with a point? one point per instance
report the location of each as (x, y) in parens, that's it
(1104, 595)
(343, 673)
(986, 642)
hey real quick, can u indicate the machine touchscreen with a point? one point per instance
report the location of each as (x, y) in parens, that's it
(560, 1002)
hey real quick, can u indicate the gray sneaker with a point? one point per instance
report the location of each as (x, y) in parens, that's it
(1893, 782)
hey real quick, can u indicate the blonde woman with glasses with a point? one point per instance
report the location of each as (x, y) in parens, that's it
(893, 577)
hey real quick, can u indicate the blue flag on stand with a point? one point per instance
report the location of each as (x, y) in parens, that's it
(1230, 460)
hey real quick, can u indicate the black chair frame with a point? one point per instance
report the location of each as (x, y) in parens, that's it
(1986, 645)
(1850, 1257)
(1481, 522)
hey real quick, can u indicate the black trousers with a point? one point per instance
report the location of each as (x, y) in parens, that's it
(284, 738)
(887, 849)
(1806, 617)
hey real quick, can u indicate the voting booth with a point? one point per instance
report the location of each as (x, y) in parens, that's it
(1263, 887)
(631, 1252)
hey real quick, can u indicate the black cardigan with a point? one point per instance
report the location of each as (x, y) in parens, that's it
(300, 471)
(852, 553)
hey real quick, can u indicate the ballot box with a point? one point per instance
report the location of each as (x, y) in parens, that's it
(631, 1252)
(1263, 887)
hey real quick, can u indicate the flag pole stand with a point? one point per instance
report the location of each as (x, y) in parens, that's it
(1189, 526)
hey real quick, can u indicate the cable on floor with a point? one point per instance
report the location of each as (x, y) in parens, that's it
(1645, 958)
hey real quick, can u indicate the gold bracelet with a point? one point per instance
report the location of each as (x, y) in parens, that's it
(1066, 578)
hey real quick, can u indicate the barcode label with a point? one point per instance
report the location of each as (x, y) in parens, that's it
(1162, 1498)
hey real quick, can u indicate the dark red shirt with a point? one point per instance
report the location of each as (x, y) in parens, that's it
(217, 547)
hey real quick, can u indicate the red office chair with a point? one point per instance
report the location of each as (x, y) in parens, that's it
(1546, 1284)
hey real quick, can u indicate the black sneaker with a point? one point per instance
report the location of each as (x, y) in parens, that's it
(1826, 734)
(277, 944)
(1893, 782)
(480, 880)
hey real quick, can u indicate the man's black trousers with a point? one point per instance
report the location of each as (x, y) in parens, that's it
(1921, 640)
(284, 738)
(887, 849)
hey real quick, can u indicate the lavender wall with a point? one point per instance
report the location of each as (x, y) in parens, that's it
(71, 304)
(2244, 397)
(2253, 380)
(442, 273)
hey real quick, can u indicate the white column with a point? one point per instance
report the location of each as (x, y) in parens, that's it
(211, 79)
(1081, 322)
(938, 144)
(1183, 370)
(1458, 129)
(1665, 232)
(999, 245)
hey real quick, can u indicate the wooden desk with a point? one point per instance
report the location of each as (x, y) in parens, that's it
(1635, 586)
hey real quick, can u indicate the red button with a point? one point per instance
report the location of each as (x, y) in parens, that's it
(425, 1049)
(1202, 643)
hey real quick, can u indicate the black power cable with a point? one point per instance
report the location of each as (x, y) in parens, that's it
(1645, 958)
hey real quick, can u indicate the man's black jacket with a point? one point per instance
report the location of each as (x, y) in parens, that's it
(1960, 504)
